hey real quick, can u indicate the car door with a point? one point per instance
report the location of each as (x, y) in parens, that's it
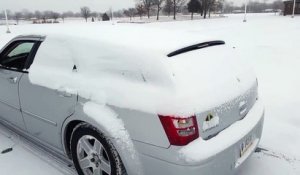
(44, 110)
(12, 63)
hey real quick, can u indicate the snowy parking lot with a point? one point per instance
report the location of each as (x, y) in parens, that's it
(269, 42)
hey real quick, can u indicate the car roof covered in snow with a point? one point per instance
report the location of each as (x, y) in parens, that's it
(123, 63)
(131, 36)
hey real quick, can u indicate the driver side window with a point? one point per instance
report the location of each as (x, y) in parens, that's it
(16, 55)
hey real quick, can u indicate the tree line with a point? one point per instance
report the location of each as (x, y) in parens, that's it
(202, 7)
(147, 8)
(45, 16)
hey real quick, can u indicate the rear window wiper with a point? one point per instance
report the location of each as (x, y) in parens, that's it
(196, 47)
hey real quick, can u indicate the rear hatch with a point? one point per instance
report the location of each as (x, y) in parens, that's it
(215, 85)
(214, 120)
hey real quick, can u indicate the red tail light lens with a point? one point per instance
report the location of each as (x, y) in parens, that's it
(180, 131)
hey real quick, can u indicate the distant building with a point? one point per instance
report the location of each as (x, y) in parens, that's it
(288, 7)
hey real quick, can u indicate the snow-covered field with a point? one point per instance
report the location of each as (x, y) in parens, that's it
(270, 43)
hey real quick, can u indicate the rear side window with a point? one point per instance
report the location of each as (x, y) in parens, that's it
(21, 49)
(16, 55)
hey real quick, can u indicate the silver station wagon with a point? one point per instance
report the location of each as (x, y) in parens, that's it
(116, 105)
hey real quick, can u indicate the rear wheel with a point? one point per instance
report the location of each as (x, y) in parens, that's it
(93, 154)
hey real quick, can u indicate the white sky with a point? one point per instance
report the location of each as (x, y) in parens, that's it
(74, 5)
(243, 1)
(65, 5)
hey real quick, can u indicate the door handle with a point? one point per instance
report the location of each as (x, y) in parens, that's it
(63, 93)
(13, 80)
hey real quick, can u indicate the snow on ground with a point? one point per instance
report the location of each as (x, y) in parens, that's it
(266, 163)
(26, 158)
(271, 44)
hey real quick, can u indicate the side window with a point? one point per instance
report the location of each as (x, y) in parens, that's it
(15, 56)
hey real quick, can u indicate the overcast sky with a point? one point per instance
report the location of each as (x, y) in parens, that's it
(74, 5)
(65, 5)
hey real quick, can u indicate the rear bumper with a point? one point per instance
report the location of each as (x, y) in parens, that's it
(219, 155)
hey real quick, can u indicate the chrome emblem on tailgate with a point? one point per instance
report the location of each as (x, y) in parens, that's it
(243, 108)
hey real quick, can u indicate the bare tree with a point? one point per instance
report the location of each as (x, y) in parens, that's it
(278, 5)
(38, 15)
(158, 4)
(147, 5)
(168, 7)
(140, 9)
(27, 15)
(55, 16)
(228, 7)
(127, 13)
(63, 16)
(17, 16)
(211, 4)
(67, 14)
(130, 13)
(85, 13)
(219, 5)
(118, 13)
(207, 4)
(46, 15)
(2, 15)
(94, 14)
(177, 4)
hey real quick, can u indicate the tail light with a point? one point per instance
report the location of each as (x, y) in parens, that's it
(180, 131)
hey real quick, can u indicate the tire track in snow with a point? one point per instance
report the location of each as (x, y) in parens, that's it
(277, 155)
(14, 140)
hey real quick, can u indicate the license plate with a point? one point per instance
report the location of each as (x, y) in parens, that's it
(246, 145)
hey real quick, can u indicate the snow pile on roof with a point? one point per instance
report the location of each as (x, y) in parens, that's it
(122, 65)
(126, 65)
(124, 77)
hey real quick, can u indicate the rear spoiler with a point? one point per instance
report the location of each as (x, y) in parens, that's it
(196, 47)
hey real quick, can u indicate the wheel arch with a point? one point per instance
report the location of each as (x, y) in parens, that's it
(80, 117)
(70, 124)
(67, 136)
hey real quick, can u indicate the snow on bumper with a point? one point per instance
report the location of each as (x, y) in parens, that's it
(202, 150)
(219, 155)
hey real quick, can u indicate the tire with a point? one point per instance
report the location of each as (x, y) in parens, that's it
(96, 153)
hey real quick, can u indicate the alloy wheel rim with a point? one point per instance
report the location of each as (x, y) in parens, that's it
(92, 156)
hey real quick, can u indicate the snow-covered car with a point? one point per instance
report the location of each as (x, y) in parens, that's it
(119, 100)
